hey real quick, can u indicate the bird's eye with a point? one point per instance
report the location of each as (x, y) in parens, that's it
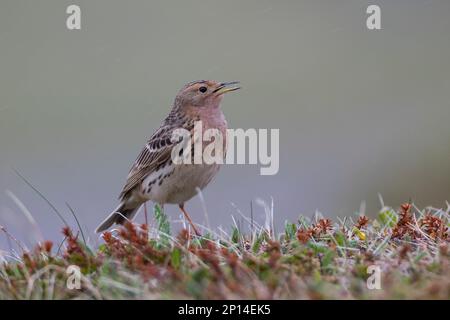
(202, 89)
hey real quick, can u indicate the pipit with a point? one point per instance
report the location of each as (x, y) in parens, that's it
(154, 175)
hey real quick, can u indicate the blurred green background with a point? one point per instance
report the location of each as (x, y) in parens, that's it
(359, 111)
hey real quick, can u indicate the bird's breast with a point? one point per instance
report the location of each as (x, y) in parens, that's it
(214, 119)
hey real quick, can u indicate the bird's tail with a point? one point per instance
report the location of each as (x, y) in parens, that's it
(118, 216)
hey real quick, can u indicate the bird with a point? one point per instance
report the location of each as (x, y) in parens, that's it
(154, 176)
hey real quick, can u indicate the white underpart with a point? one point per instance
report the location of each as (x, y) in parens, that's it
(181, 185)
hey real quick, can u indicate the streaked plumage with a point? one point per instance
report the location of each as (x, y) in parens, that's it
(153, 175)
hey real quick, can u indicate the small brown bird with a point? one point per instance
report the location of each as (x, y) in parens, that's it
(154, 176)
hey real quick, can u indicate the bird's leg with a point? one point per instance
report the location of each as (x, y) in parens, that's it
(145, 212)
(189, 219)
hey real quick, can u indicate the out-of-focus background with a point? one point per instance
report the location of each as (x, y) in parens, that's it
(360, 112)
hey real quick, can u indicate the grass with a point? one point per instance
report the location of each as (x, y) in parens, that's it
(309, 259)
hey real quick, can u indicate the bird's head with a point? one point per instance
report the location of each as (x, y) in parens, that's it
(204, 93)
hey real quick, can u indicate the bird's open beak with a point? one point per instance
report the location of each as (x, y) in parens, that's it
(225, 87)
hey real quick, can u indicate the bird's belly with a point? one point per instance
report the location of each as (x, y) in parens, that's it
(178, 183)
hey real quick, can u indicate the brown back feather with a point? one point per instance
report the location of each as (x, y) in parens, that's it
(156, 153)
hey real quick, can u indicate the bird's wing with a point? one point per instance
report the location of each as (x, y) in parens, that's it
(155, 154)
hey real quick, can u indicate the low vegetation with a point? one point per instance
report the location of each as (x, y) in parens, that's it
(406, 249)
